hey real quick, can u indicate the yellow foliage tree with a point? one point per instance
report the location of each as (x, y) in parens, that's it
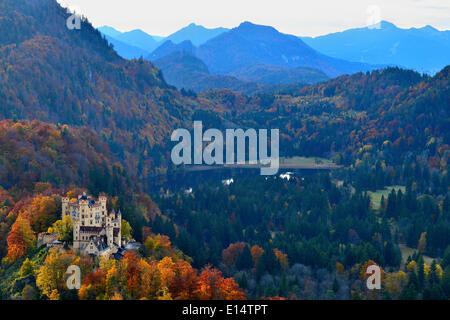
(27, 268)
(395, 282)
(64, 228)
(52, 274)
(339, 268)
(412, 266)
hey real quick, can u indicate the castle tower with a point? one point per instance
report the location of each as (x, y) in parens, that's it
(110, 229)
(102, 200)
(84, 211)
(65, 207)
(76, 231)
(118, 239)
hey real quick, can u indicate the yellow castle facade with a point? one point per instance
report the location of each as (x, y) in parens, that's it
(95, 231)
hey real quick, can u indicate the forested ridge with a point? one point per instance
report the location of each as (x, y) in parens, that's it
(76, 117)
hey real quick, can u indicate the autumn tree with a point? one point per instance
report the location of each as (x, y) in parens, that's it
(395, 283)
(51, 277)
(229, 255)
(257, 252)
(126, 231)
(27, 268)
(184, 281)
(422, 245)
(20, 239)
(64, 228)
(94, 286)
(43, 212)
(212, 286)
(282, 257)
(158, 247)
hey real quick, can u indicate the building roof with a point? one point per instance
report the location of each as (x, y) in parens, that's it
(85, 197)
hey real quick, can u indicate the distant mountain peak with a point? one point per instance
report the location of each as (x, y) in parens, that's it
(192, 26)
(250, 44)
(247, 25)
(387, 25)
(197, 34)
(423, 49)
(110, 31)
(384, 25)
(138, 31)
(429, 28)
(168, 47)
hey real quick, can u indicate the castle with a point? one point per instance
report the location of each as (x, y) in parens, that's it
(95, 232)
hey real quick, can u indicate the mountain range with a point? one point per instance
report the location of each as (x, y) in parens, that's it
(126, 42)
(131, 44)
(250, 44)
(126, 50)
(248, 53)
(422, 49)
(169, 47)
(198, 35)
(186, 71)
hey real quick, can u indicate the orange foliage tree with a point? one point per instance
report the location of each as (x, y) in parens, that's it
(230, 254)
(20, 239)
(257, 252)
(212, 286)
(135, 277)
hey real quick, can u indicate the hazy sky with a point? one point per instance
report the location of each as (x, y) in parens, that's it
(299, 17)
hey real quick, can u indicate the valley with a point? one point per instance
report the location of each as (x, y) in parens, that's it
(364, 153)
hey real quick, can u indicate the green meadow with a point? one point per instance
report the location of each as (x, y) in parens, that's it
(375, 197)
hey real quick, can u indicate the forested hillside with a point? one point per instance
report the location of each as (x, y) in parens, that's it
(74, 117)
(73, 77)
